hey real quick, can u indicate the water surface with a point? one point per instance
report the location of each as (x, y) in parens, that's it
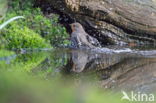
(131, 70)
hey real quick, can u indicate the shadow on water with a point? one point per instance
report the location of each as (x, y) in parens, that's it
(110, 70)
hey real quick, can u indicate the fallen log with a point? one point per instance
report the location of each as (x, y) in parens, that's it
(112, 21)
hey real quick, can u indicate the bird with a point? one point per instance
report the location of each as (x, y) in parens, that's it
(79, 38)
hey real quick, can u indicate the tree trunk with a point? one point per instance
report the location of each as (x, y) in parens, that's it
(113, 21)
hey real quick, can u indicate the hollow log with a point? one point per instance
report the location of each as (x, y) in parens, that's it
(112, 21)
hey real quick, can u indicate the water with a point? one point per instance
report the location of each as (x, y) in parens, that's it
(122, 69)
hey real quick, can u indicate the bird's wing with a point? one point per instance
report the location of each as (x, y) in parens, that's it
(93, 41)
(75, 40)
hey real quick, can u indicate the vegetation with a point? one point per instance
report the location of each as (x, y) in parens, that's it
(26, 78)
(18, 37)
(35, 31)
(5, 53)
(3, 9)
(38, 77)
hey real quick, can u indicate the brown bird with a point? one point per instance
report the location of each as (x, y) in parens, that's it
(80, 38)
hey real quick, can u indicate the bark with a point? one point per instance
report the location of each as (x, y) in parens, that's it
(112, 21)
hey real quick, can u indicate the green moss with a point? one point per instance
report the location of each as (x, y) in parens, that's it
(22, 37)
(29, 61)
(5, 53)
(23, 62)
(47, 28)
(35, 31)
(3, 8)
(3, 42)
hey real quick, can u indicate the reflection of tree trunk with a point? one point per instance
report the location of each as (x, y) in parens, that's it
(142, 78)
(124, 66)
(82, 61)
(119, 70)
(122, 69)
(112, 72)
(112, 21)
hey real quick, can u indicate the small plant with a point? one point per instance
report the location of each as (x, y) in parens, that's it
(48, 28)
(22, 37)
(5, 53)
(3, 42)
(35, 31)
(9, 21)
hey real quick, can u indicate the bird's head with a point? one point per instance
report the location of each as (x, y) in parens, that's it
(76, 27)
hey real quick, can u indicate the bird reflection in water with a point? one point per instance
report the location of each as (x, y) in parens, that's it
(80, 59)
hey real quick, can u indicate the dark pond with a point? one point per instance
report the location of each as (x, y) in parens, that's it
(120, 70)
